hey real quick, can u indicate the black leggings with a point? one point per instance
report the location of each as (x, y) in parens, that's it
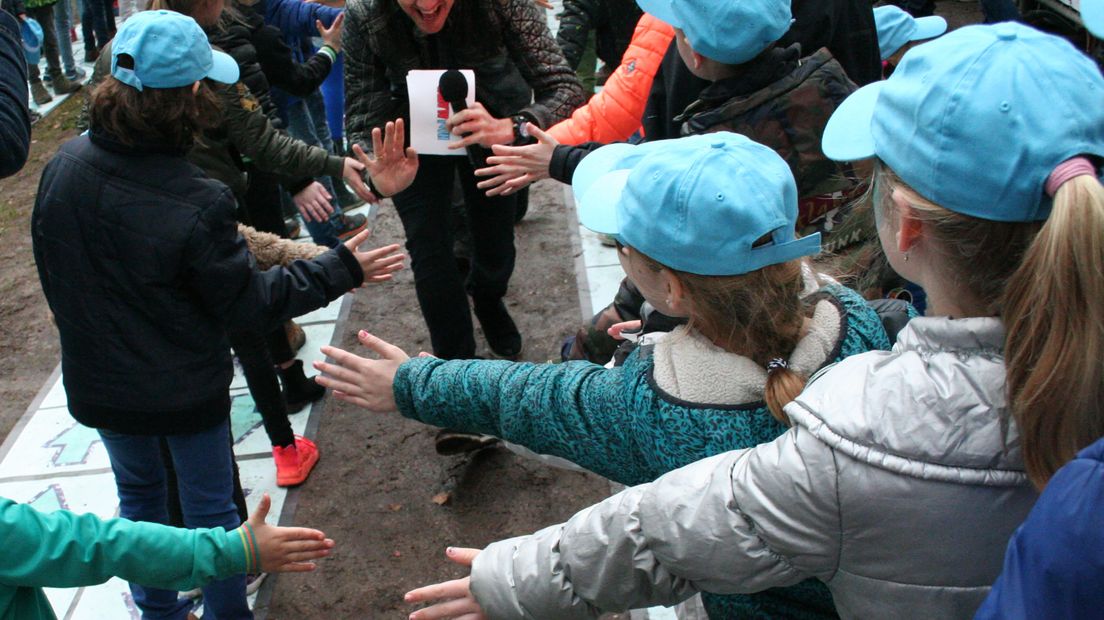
(256, 353)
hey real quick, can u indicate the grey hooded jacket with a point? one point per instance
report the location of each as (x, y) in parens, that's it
(898, 486)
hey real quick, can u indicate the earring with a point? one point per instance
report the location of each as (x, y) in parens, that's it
(906, 257)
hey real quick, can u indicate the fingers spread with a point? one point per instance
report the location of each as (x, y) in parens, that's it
(448, 589)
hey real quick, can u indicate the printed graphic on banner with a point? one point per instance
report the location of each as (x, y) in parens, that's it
(429, 112)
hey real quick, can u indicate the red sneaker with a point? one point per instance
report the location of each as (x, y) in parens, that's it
(294, 463)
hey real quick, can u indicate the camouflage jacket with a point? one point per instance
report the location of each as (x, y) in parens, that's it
(784, 102)
(506, 43)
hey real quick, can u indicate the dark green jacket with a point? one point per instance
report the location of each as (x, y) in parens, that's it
(246, 135)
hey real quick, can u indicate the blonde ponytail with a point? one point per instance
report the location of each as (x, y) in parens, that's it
(783, 386)
(1054, 316)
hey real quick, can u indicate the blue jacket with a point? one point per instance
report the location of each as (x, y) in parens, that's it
(619, 423)
(1054, 566)
(296, 18)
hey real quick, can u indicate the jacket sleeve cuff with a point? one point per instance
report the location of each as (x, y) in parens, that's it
(295, 186)
(335, 167)
(558, 168)
(350, 263)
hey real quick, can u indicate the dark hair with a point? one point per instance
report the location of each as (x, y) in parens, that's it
(166, 116)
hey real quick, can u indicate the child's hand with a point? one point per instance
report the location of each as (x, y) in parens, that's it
(361, 381)
(512, 168)
(626, 330)
(377, 264)
(458, 600)
(286, 549)
(331, 36)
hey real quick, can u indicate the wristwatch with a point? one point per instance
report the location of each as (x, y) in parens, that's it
(521, 133)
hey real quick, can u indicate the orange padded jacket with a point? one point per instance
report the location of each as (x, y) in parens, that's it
(614, 114)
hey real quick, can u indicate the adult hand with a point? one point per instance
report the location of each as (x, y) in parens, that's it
(331, 36)
(361, 381)
(313, 202)
(484, 129)
(286, 549)
(392, 166)
(377, 264)
(457, 602)
(513, 167)
(352, 175)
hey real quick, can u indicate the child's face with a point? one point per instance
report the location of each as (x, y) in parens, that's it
(654, 285)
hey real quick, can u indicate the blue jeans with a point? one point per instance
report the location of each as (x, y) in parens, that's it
(62, 23)
(306, 121)
(204, 473)
(94, 24)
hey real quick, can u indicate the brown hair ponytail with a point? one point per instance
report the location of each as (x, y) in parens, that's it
(1054, 316)
(783, 386)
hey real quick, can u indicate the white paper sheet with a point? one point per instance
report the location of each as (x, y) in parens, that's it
(429, 111)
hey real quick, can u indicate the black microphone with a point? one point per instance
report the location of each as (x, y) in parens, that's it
(453, 87)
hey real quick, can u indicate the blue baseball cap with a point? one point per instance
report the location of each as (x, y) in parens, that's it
(31, 31)
(697, 204)
(897, 28)
(170, 50)
(1092, 15)
(978, 119)
(728, 31)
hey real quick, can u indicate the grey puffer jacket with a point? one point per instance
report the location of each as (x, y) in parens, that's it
(519, 69)
(898, 486)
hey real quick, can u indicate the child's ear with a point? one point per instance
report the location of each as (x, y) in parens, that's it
(699, 60)
(676, 293)
(195, 88)
(909, 226)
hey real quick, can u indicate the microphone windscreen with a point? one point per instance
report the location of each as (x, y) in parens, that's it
(453, 86)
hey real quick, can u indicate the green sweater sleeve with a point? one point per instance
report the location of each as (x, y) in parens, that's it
(63, 549)
(575, 410)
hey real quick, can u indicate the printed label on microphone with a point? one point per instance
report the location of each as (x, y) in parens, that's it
(429, 112)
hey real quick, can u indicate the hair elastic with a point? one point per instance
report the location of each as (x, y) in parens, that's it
(1075, 167)
(777, 363)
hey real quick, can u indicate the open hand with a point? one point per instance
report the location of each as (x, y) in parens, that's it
(361, 381)
(377, 264)
(391, 166)
(313, 202)
(626, 330)
(456, 597)
(513, 167)
(286, 549)
(331, 36)
(476, 126)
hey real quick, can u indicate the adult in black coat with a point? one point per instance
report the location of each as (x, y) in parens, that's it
(15, 118)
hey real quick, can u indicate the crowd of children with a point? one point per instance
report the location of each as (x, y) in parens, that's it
(793, 448)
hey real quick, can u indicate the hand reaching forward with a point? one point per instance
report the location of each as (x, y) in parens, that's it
(377, 264)
(286, 549)
(331, 36)
(391, 166)
(513, 167)
(456, 597)
(361, 381)
(313, 202)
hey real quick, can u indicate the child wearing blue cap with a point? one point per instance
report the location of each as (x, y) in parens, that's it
(905, 472)
(706, 232)
(898, 31)
(143, 267)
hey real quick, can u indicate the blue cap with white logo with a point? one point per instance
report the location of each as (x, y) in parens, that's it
(897, 28)
(977, 120)
(170, 50)
(715, 204)
(32, 40)
(729, 31)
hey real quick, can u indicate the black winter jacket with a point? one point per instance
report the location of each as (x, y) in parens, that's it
(613, 22)
(141, 262)
(518, 67)
(15, 119)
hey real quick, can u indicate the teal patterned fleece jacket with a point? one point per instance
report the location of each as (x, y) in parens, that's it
(669, 405)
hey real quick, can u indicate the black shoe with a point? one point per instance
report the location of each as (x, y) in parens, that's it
(499, 329)
(449, 442)
(345, 199)
(299, 391)
(350, 226)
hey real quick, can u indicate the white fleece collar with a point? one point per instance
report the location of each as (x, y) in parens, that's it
(691, 368)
